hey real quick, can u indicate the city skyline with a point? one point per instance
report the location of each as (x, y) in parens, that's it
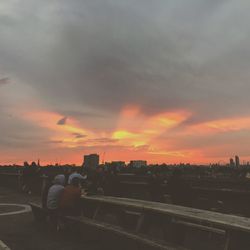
(165, 81)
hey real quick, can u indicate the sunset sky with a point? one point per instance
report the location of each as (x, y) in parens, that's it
(164, 80)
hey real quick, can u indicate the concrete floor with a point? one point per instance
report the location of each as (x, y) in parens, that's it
(20, 232)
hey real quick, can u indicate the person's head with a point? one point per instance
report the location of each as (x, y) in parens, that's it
(75, 182)
(59, 180)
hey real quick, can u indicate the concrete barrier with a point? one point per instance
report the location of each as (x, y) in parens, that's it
(3, 246)
(168, 224)
(135, 224)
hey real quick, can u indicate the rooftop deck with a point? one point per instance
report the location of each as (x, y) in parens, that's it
(119, 221)
(19, 231)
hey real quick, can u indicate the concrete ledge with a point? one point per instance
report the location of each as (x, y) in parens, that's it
(3, 246)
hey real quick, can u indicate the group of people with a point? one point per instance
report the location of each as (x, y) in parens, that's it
(63, 196)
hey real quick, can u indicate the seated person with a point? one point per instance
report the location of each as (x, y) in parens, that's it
(70, 199)
(54, 196)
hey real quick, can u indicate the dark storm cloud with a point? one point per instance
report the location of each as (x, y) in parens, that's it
(79, 136)
(62, 121)
(4, 81)
(102, 55)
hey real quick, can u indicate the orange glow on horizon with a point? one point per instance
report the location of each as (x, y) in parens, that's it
(136, 136)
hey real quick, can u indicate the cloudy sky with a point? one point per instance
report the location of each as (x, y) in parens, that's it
(166, 80)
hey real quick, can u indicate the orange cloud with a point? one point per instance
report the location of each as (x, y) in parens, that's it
(221, 125)
(134, 129)
(64, 133)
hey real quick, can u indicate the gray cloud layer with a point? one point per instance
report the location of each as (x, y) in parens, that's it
(92, 57)
(160, 55)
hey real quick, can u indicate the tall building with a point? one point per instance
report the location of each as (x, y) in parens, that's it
(237, 161)
(91, 161)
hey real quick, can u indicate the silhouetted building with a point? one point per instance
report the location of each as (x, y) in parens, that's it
(138, 164)
(91, 161)
(26, 164)
(231, 163)
(117, 165)
(237, 161)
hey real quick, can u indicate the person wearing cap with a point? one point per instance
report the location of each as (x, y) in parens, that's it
(76, 175)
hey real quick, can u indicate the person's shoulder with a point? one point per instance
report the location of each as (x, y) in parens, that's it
(59, 187)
